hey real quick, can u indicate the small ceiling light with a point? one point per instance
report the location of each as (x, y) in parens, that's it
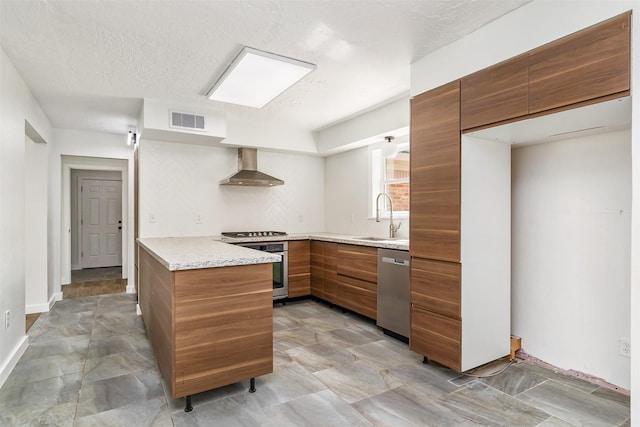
(255, 77)
(132, 138)
(390, 149)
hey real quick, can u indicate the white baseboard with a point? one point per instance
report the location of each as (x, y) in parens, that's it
(56, 297)
(11, 363)
(41, 308)
(131, 289)
(138, 311)
(36, 308)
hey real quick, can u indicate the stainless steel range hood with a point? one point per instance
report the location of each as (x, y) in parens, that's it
(248, 173)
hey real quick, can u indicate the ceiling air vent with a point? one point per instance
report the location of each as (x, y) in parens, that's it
(186, 121)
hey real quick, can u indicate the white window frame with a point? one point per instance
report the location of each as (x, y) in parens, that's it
(377, 182)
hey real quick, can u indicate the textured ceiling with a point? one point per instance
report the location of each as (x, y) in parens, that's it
(90, 63)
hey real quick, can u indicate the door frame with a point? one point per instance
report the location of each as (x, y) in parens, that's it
(80, 207)
(80, 175)
(98, 164)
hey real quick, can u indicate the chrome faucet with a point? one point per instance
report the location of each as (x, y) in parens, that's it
(392, 228)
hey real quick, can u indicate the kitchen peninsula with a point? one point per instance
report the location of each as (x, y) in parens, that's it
(207, 308)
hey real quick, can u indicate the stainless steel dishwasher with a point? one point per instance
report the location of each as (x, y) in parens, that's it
(393, 292)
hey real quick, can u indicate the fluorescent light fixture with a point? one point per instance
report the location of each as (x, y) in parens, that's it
(255, 77)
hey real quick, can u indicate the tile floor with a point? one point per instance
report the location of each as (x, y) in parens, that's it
(88, 282)
(90, 364)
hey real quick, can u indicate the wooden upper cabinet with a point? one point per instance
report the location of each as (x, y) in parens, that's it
(589, 64)
(435, 174)
(497, 93)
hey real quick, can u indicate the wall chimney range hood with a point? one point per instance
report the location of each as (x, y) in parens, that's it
(248, 174)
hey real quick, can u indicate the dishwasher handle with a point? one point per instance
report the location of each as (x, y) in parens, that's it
(396, 261)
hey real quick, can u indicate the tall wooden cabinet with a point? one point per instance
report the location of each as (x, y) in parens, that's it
(459, 236)
(435, 174)
(460, 186)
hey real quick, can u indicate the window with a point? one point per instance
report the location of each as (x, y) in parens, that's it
(391, 175)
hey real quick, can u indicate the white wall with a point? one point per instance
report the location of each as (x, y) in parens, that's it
(511, 35)
(76, 208)
(35, 190)
(178, 182)
(366, 128)
(571, 249)
(16, 106)
(525, 28)
(347, 198)
(74, 149)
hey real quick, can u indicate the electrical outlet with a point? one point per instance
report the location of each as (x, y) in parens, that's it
(7, 319)
(152, 218)
(198, 219)
(624, 347)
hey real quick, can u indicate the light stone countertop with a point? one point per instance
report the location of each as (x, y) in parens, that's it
(187, 253)
(400, 244)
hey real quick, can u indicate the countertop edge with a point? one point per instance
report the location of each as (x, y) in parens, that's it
(400, 244)
(199, 256)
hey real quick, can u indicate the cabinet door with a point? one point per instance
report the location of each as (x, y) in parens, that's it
(437, 337)
(360, 262)
(435, 174)
(317, 269)
(330, 273)
(435, 286)
(299, 268)
(358, 295)
(589, 64)
(497, 93)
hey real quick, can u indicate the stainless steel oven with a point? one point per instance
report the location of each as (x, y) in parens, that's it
(280, 269)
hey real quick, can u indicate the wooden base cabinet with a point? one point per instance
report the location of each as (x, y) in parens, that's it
(358, 279)
(208, 327)
(324, 275)
(299, 268)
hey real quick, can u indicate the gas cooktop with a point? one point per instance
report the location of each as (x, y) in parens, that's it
(253, 233)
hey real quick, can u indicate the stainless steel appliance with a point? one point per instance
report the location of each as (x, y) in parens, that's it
(393, 292)
(280, 269)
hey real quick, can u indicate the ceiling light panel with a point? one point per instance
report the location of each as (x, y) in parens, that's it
(254, 78)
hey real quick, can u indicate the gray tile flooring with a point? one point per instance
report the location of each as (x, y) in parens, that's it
(90, 364)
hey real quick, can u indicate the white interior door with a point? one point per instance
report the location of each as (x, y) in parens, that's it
(101, 223)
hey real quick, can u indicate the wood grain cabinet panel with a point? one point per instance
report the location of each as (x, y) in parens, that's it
(299, 257)
(497, 93)
(208, 327)
(358, 279)
(324, 275)
(317, 269)
(435, 174)
(358, 295)
(330, 257)
(435, 286)
(586, 65)
(360, 262)
(437, 337)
